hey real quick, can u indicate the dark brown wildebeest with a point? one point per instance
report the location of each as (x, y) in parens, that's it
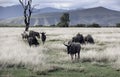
(89, 39)
(31, 37)
(43, 37)
(34, 34)
(73, 48)
(78, 38)
(32, 41)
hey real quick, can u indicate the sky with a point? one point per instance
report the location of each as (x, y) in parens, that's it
(68, 4)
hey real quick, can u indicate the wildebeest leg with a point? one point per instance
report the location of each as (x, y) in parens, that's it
(71, 57)
(78, 56)
(30, 45)
(43, 42)
(75, 56)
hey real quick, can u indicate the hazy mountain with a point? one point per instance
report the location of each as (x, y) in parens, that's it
(11, 11)
(17, 11)
(48, 10)
(98, 15)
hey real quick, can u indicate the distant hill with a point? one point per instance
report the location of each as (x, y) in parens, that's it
(11, 11)
(48, 10)
(17, 11)
(100, 15)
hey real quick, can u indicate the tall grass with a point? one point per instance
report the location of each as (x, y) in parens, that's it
(14, 50)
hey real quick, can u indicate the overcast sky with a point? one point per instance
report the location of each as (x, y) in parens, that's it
(68, 4)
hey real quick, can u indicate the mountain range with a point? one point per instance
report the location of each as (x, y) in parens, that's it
(48, 16)
(17, 11)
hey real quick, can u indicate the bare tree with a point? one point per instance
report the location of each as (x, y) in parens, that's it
(26, 4)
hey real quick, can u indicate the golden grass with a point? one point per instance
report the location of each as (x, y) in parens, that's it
(14, 50)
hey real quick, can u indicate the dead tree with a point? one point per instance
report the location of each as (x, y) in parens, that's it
(26, 4)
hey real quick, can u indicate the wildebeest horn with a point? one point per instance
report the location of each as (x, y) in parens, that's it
(65, 44)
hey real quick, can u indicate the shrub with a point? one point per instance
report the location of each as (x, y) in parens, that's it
(118, 25)
(94, 25)
(80, 25)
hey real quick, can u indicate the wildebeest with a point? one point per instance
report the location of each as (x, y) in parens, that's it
(32, 41)
(89, 39)
(78, 38)
(31, 37)
(43, 37)
(34, 34)
(24, 35)
(73, 48)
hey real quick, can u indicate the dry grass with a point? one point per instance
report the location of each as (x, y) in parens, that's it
(15, 51)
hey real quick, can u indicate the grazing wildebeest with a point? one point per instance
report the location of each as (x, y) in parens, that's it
(89, 39)
(32, 41)
(24, 35)
(34, 34)
(73, 48)
(78, 38)
(43, 37)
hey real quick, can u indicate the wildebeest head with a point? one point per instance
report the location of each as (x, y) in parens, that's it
(38, 35)
(68, 47)
(43, 33)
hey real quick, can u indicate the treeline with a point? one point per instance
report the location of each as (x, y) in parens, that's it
(94, 25)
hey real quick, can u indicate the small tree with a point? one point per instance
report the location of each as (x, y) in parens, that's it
(64, 20)
(94, 25)
(118, 25)
(26, 4)
(80, 25)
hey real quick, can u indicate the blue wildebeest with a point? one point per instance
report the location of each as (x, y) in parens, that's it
(89, 39)
(32, 41)
(78, 38)
(73, 48)
(43, 37)
(34, 34)
(31, 37)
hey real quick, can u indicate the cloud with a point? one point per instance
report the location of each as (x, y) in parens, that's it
(8, 2)
(68, 4)
(54, 3)
(112, 4)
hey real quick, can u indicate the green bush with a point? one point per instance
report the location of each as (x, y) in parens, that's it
(80, 25)
(118, 25)
(94, 25)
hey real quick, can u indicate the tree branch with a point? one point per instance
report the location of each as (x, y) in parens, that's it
(21, 1)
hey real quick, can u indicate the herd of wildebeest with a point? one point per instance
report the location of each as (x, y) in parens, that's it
(32, 36)
(73, 45)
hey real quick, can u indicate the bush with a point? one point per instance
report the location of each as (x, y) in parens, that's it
(80, 25)
(94, 25)
(38, 25)
(52, 25)
(62, 24)
(118, 25)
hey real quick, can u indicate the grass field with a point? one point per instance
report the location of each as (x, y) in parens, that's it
(102, 59)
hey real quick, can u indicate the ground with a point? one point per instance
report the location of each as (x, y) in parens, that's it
(101, 59)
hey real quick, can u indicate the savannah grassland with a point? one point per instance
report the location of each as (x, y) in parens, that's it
(102, 59)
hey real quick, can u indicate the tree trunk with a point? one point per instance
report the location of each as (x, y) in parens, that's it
(27, 12)
(26, 27)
